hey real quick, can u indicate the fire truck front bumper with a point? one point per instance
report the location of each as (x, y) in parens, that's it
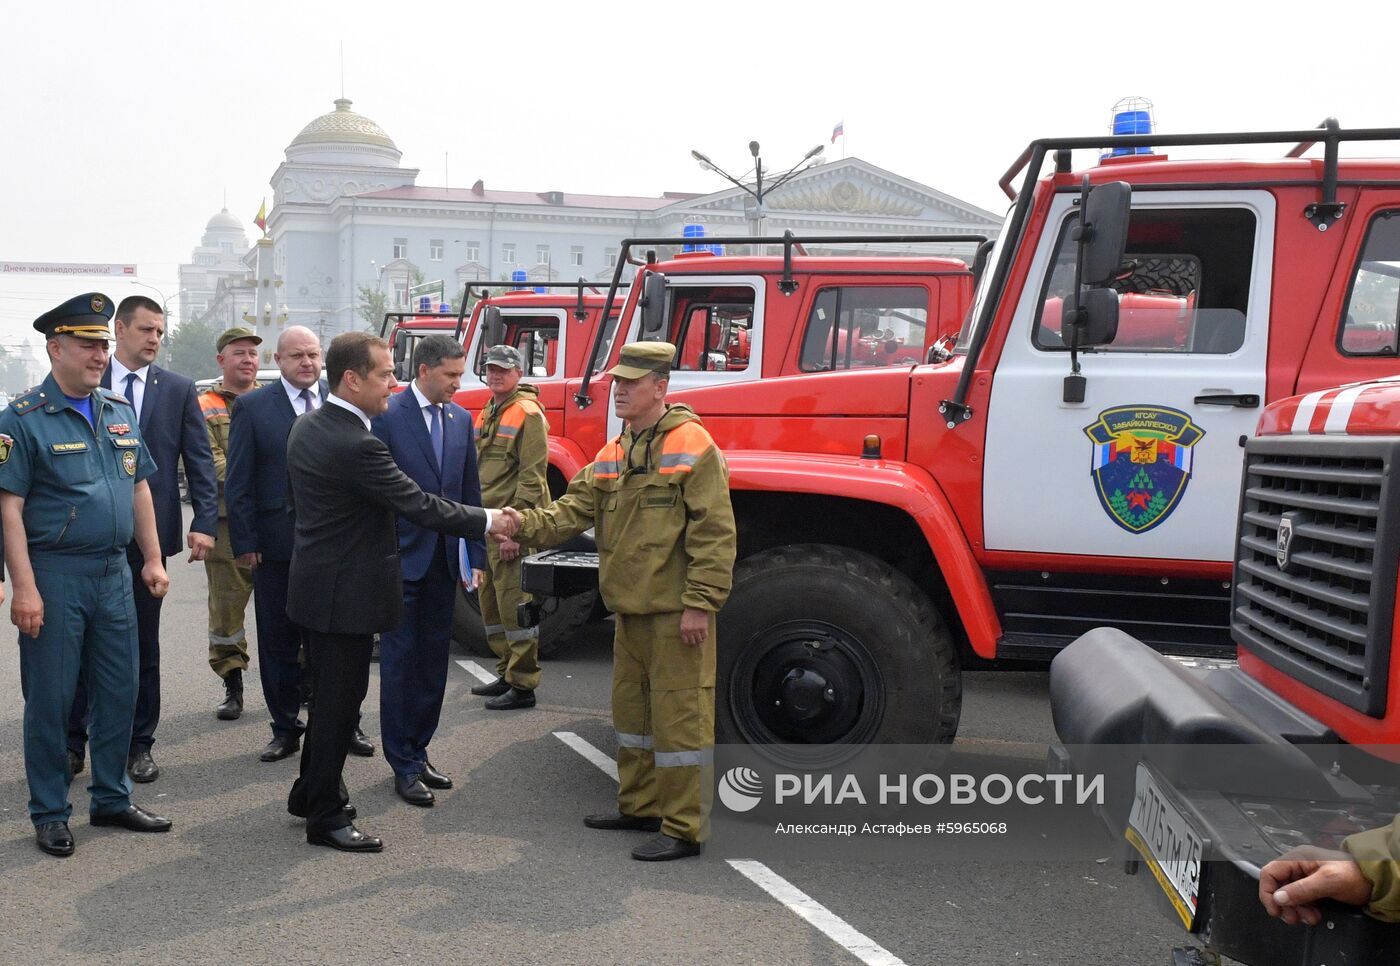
(1208, 777)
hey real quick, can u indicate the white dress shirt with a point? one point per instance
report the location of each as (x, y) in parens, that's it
(424, 407)
(138, 388)
(294, 394)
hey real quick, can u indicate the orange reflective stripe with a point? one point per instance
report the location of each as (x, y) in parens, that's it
(683, 447)
(480, 418)
(608, 463)
(212, 404)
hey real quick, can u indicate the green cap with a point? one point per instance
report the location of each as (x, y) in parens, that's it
(640, 358)
(505, 357)
(235, 334)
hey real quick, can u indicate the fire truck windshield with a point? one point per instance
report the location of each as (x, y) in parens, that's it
(983, 286)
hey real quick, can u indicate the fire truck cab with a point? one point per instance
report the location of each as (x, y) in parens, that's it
(1069, 461)
(1306, 724)
(402, 330)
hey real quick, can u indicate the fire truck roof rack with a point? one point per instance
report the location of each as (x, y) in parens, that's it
(787, 284)
(1322, 213)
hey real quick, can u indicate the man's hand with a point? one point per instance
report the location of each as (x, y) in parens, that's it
(505, 524)
(695, 626)
(1291, 886)
(478, 577)
(201, 546)
(248, 560)
(507, 548)
(154, 577)
(27, 611)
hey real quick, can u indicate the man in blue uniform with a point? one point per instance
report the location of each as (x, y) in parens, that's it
(73, 493)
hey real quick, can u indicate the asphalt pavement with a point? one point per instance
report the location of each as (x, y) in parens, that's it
(502, 870)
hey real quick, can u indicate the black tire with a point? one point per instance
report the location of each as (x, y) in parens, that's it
(559, 623)
(824, 646)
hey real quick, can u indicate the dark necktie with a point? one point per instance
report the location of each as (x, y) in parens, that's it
(305, 398)
(435, 432)
(131, 391)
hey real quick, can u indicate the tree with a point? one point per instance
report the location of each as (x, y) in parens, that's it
(192, 348)
(373, 305)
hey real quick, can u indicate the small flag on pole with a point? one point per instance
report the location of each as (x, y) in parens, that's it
(839, 131)
(261, 220)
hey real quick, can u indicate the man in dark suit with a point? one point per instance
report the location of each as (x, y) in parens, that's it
(346, 577)
(172, 428)
(430, 438)
(260, 521)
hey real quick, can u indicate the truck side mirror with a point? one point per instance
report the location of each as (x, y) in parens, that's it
(653, 305)
(401, 363)
(493, 328)
(1103, 232)
(1091, 319)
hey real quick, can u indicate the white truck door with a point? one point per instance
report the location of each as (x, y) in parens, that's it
(1149, 464)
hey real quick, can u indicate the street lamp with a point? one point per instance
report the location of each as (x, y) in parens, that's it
(758, 190)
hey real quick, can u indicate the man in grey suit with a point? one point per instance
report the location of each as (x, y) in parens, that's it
(346, 579)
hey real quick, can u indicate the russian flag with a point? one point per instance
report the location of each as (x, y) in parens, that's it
(839, 131)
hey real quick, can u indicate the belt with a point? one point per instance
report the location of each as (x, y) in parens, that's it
(80, 564)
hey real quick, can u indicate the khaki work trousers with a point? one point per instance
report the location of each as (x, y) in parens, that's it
(517, 648)
(230, 586)
(663, 705)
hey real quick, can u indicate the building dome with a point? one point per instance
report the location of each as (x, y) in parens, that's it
(224, 221)
(343, 127)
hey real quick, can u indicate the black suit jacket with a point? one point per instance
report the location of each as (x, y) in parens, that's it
(255, 477)
(346, 577)
(173, 429)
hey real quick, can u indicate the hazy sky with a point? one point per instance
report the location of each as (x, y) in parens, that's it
(124, 124)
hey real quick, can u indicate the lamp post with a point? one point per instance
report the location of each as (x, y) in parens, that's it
(758, 190)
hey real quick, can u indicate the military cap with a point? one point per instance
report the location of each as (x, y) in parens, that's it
(639, 358)
(505, 356)
(237, 333)
(83, 317)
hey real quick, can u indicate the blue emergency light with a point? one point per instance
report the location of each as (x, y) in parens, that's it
(698, 231)
(518, 278)
(425, 303)
(1131, 115)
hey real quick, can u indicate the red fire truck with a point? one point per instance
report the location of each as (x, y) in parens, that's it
(1026, 484)
(1308, 720)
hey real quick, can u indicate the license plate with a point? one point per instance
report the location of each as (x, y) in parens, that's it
(1171, 847)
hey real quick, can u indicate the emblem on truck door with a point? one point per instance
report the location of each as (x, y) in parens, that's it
(1142, 462)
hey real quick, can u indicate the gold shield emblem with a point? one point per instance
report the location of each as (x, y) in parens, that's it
(7, 443)
(129, 463)
(98, 303)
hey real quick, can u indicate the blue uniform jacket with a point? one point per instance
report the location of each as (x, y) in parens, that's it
(172, 428)
(255, 478)
(77, 479)
(403, 430)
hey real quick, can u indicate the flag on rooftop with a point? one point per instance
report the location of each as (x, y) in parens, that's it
(839, 131)
(261, 220)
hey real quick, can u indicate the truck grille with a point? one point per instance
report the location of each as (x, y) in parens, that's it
(1323, 615)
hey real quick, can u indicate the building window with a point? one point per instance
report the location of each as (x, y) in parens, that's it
(473, 251)
(508, 254)
(435, 250)
(610, 257)
(541, 254)
(400, 247)
(226, 247)
(400, 293)
(576, 256)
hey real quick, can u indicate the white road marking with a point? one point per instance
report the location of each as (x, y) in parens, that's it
(477, 671)
(604, 763)
(846, 936)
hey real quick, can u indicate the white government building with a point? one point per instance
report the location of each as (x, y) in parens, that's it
(346, 215)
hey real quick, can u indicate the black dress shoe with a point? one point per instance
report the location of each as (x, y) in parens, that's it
(142, 767)
(347, 839)
(75, 764)
(663, 848)
(360, 745)
(55, 839)
(413, 791)
(350, 811)
(616, 821)
(133, 819)
(280, 747)
(231, 709)
(512, 699)
(433, 778)
(498, 686)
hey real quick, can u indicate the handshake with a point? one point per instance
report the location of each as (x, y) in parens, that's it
(505, 524)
